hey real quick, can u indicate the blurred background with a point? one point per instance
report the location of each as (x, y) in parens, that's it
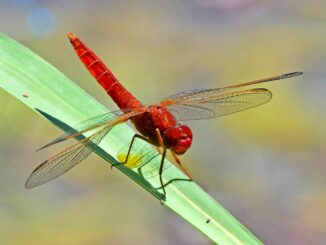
(265, 165)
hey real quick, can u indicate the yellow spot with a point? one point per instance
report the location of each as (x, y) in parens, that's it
(134, 160)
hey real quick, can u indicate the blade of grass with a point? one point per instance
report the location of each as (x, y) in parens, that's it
(47, 91)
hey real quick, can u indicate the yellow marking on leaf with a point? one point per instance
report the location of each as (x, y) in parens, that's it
(134, 160)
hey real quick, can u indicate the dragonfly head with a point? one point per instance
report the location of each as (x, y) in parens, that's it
(178, 139)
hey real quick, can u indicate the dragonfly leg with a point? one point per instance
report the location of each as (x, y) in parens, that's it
(160, 141)
(158, 149)
(176, 158)
(129, 150)
(161, 170)
(159, 137)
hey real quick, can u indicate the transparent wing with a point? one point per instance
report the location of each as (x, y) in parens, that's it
(209, 103)
(203, 104)
(65, 160)
(70, 157)
(97, 120)
(94, 123)
(190, 93)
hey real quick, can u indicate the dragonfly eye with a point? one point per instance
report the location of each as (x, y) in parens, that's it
(178, 139)
(186, 131)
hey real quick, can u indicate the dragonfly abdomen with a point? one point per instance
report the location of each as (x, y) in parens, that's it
(120, 95)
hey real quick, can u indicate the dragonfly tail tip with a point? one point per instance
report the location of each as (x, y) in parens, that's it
(71, 36)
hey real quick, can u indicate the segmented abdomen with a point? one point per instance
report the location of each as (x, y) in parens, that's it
(120, 95)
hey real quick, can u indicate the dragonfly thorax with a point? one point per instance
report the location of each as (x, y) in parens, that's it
(178, 139)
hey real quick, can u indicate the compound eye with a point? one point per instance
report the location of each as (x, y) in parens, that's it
(186, 131)
(173, 133)
(171, 137)
(182, 146)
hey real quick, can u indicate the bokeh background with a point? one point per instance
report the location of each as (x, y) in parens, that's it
(266, 165)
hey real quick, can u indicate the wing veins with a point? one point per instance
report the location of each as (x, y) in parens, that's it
(212, 104)
(74, 132)
(65, 160)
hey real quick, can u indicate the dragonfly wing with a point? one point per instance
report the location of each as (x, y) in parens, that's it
(209, 103)
(65, 160)
(202, 104)
(97, 120)
(94, 123)
(190, 93)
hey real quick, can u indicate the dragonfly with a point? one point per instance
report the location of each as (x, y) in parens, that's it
(158, 124)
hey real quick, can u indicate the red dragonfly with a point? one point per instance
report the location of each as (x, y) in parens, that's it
(158, 124)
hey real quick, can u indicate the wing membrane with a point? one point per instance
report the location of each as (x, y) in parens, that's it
(70, 157)
(186, 94)
(209, 103)
(65, 160)
(203, 104)
(94, 123)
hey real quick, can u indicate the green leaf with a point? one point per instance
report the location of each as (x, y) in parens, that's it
(44, 89)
